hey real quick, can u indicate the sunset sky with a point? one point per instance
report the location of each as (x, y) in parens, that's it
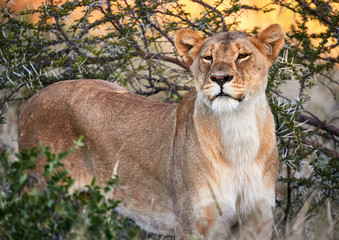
(248, 20)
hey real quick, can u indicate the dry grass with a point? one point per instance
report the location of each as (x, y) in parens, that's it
(315, 223)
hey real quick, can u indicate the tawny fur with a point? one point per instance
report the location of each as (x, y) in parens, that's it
(192, 169)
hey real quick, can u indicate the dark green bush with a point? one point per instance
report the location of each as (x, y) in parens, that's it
(55, 213)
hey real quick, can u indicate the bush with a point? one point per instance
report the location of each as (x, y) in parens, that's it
(55, 212)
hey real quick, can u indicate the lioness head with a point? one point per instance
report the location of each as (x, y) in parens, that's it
(230, 68)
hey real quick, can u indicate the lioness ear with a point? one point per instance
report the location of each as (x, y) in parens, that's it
(273, 37)
(188, 44)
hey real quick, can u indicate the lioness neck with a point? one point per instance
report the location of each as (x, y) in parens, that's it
(233, 136)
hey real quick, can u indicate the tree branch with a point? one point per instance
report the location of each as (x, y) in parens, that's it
(147, 56)
(163, 89)
(64, 35)
(320, 124)
(312, 144)
(224, 28)
(10, 95)
(314, 12)
(167, 59)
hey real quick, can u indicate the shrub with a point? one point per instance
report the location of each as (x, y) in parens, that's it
(55, 212)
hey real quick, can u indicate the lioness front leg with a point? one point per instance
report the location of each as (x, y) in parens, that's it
(258, 225)
(198, 224)
(207, 222)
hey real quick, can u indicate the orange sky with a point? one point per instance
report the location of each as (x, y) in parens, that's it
(249, 19)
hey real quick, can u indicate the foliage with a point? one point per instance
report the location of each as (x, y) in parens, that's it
(131, 42)
(55, 213)
(302, 137)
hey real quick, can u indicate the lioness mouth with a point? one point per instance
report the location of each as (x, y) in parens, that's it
(222, 94)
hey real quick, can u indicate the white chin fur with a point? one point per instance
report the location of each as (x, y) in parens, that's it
(220, 104)
(224, 104)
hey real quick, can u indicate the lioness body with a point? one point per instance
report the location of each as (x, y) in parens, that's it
(75, 115)
(190, 169)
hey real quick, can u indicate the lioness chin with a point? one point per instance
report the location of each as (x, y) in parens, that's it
(198, 168)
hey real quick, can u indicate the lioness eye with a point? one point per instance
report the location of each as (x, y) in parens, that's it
(208, 58)
(242, 55)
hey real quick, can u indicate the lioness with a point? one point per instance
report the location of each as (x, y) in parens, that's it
(193, 169)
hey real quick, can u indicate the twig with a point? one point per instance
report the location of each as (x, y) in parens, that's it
(314, 121)
(162, 33)
(317, 123)
(288, 203)
(312, 144)
(330, 79)
(168, 59)
(164, 89)
(314, 12)
(224, 28)
(56, 17)
(329, 59)
(332, 92)
(10, 95)
(147, 56)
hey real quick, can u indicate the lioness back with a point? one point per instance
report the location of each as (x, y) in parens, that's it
(118, 126)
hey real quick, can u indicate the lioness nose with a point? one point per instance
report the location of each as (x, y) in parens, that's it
(222, 79)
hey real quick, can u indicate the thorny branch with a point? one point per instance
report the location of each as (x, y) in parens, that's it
(9, 96)
(213, 9)
(168, 59)
(119, 27)
(308, 142)
(316, 12)
(314, 121)
(319, 124)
